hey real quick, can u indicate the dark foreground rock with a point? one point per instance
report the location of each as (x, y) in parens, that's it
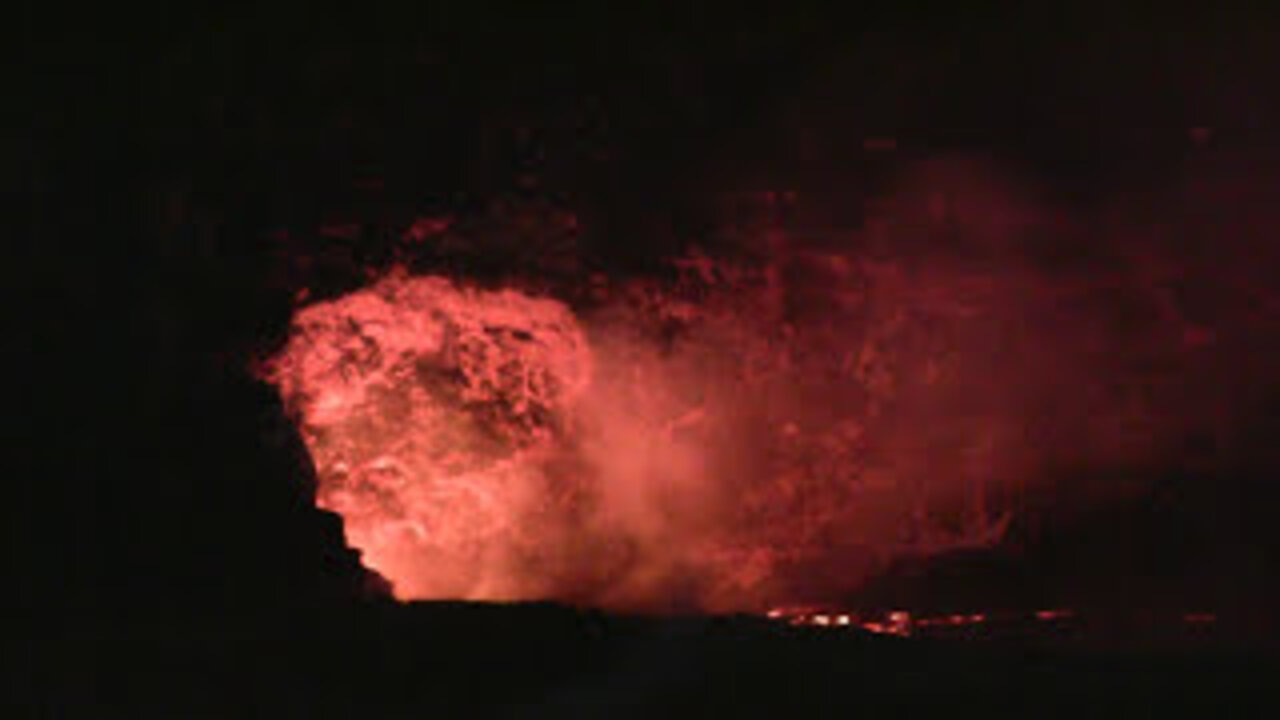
(547, 661)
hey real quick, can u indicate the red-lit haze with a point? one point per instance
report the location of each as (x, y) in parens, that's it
(762, 429)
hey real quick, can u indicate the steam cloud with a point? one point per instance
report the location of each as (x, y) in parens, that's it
(784, 417)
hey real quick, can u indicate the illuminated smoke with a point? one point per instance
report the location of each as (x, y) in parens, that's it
(701, 449)
(767, 427)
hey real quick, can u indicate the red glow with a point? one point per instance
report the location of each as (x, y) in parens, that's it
(972, 625)
(744, 433)
(428, 410)
(1053, 614)
(488, 445)
(426, 227)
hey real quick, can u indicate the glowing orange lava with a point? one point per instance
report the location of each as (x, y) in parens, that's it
(428, 410)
